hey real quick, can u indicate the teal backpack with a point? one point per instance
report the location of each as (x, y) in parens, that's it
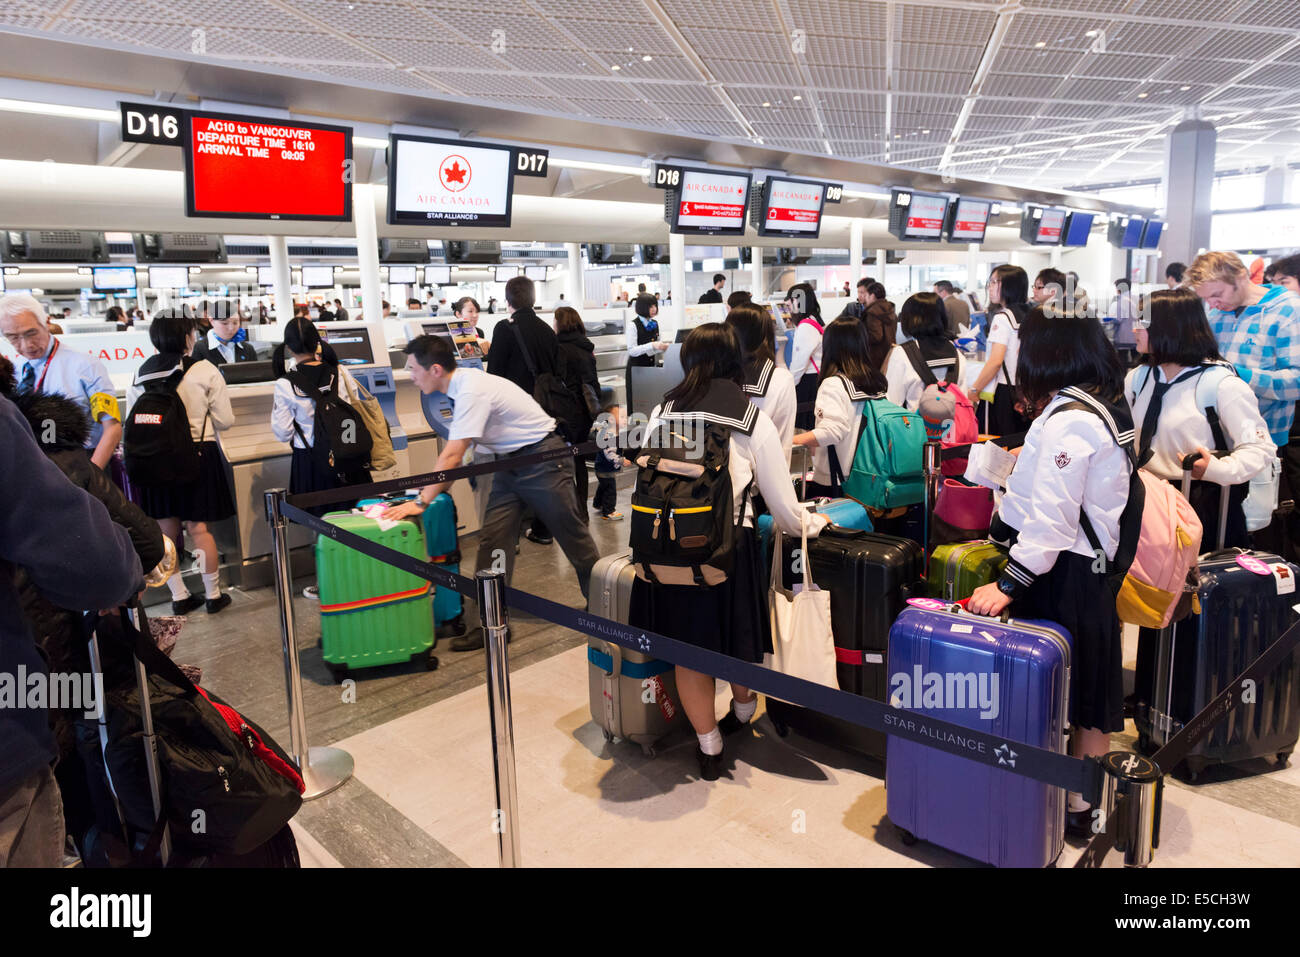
(887, 465)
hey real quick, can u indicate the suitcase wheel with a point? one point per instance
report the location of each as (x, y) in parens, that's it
(431, 662)
(906, 836)
(609, 735)
(337, 672)
(1283, 758)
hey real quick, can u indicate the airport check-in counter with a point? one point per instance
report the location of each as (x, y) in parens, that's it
(607, 330)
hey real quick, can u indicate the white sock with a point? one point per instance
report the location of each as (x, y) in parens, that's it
(745, 709)
(211, 586)
(177, 585)
(1077, 803)
(711, 743)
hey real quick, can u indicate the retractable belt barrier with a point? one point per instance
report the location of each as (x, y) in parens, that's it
(1086, 777)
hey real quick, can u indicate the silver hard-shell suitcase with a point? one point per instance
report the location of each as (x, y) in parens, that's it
(633, 696)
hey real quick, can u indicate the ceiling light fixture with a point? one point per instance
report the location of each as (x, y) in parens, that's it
(797, 97)
(765, 103)
(1184, 88)
(1040, 44)
(1142, 96)
(647, 58)
(616, 67)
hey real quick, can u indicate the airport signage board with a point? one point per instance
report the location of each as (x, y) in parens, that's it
(444, 182)
(152, 124)
(710, 203)
(791, 207)
(252, 167)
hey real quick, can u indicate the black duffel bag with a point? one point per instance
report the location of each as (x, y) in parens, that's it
(227, 788)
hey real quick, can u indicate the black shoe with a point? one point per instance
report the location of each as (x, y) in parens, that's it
(470, 641)
(730, 724)
(710, 764)
(216, 604)
(1130, 706)
(538, 539)
(1078, 824)
(452, 628)
(186, 604)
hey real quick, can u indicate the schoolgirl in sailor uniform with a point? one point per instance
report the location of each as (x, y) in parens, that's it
(1062, 506)
(924, 320)
(767, 385)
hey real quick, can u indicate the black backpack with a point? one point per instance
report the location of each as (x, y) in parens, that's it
(558, 398)
(157, 444)
(682, 531)
(341, 442)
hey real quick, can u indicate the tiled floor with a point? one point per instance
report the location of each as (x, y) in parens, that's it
(423, 790)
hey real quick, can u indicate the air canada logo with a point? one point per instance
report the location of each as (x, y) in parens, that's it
(455, 173)
(1062, 460)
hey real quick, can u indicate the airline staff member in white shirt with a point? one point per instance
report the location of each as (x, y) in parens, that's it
(768, 386)
(806, 352)
(1062, 506)
(848, 382)
(493, 414)
(923, 320)
(50, 366)
(643, 342)
(225, 341)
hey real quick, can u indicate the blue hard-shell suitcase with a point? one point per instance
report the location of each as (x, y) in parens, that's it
(844, 512)
(1021, 687)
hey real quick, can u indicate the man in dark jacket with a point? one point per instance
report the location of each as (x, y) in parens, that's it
(79, 559)
(506, 357)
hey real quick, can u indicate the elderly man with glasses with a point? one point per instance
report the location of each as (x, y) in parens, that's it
(44, 364)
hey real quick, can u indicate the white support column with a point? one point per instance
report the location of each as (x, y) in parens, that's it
(363, 217)
(972, 267)
(282, 281)
(1189, 182)
(677, 276)
(882, 259)
(757, 289)
(1055, 257)
(575, 286)
(855, 252)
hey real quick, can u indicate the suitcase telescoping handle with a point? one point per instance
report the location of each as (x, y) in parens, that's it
(1225, 494)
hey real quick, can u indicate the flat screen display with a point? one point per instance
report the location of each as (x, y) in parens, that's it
(437, 275)
(439, 182)
(402, 274)
(352, 346)
(917, 217)
(535, 273)
(792, 207)
(318, 277)
(265, 276)
(710, 203)
(970, 220)
(169, 277)
(506, 273)
(250, 167)
(113, 277)
(1133, 233)
(1050, 227)
(1151, 234)
(1077, 228)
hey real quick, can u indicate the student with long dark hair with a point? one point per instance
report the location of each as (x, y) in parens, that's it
(848, 380)
(730, 617)
(768, 386)
(806, 352)
(1008, 292)
(207, 499)
(293, 410)
(1062, 507)
(924, 320)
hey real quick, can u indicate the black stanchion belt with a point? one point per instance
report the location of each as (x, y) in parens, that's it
(351, 493)
(1015, 757)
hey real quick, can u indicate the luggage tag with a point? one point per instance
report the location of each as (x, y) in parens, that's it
(1285, 580)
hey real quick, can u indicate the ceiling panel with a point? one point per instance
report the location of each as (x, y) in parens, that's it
(933, 81)
(838, 18)
(843, 51)
(936, 56)
(751, 72)
(847, 78)
(1239, 45)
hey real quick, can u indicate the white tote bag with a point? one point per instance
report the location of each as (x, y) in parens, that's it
(803, 646)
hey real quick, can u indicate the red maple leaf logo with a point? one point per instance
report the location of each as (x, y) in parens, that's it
(455, 174)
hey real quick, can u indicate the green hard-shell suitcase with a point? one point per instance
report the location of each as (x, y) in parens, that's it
(371, 613)
(957, 570)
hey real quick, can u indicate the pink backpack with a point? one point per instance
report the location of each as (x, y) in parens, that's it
(945, 408)
(1160, 535)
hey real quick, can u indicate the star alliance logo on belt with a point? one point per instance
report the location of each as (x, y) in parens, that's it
(1006, 757)
(1062, 460)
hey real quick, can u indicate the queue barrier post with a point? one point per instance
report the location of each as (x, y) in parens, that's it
(323, 769)
(496, 629)
(931, 469)
(1137, 829)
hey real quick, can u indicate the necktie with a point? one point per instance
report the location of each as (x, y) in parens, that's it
(29, 380)
(1152, 416)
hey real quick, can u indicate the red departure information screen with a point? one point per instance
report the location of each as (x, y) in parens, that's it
(250, 167)
(1050, 226)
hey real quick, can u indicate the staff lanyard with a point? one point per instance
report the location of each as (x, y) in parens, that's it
(46, 370)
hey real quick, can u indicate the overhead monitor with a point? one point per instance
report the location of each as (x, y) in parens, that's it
(917, 217)
(265, 276)
(535, 273)
(110, 278)
(169, 277)
(251, 167)
(506, 273)
(790, 207)
(351, 343)
(1126, 231)
(1078, 226)
(437, 275)
(1151, 234)
(968, 220)
(708, 203)
(318, 277)
(1042, 225)
(402, 274)
(441, 182)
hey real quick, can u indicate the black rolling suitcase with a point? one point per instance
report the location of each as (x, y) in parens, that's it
(870, 577)
(1246, 600)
